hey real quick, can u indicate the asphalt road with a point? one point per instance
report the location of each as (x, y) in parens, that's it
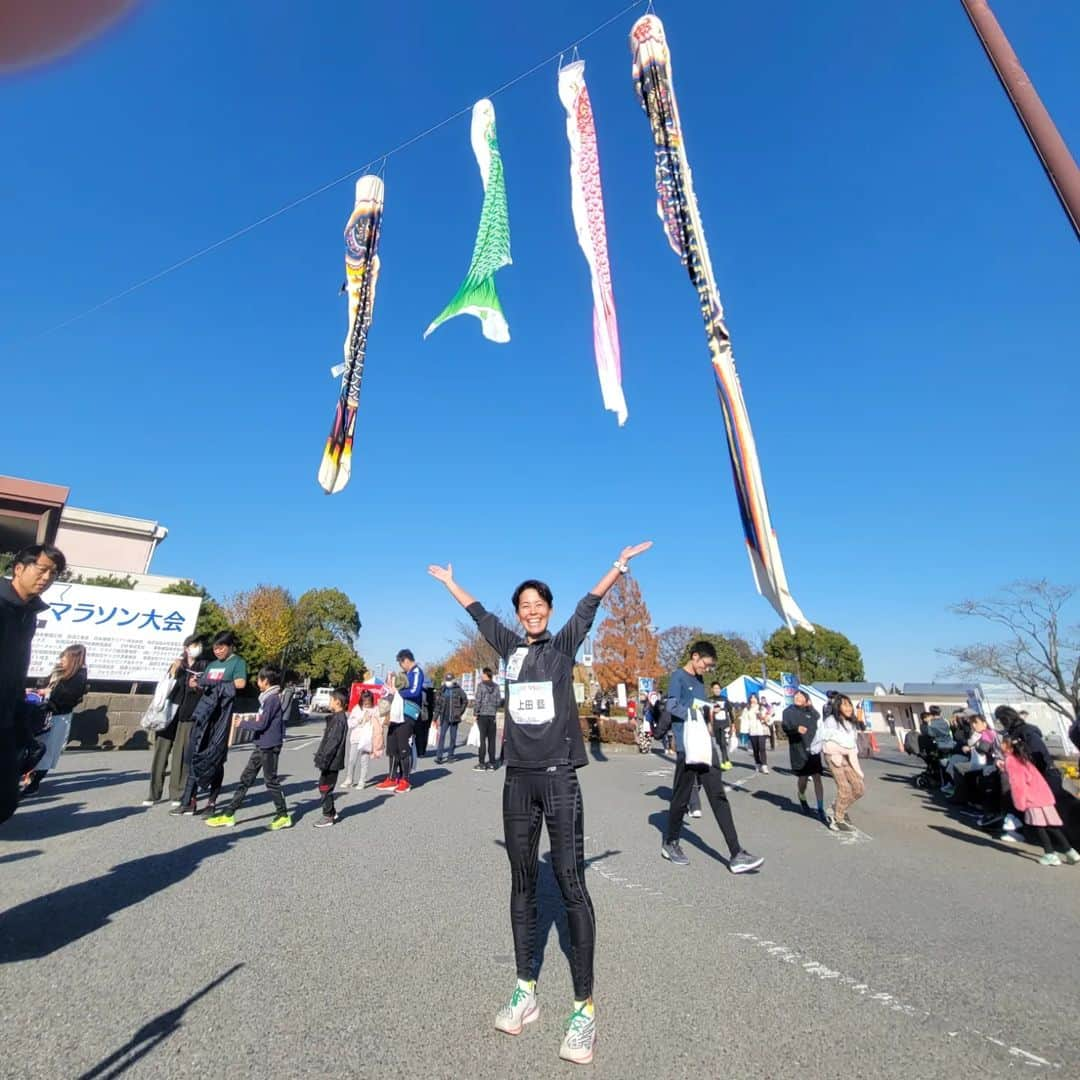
(138, 944)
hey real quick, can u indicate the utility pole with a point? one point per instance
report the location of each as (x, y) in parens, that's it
(1044, 135)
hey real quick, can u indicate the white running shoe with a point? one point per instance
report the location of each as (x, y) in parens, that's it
(580, 1038)
(522, 1009)
(1012, 823)
(765, 769)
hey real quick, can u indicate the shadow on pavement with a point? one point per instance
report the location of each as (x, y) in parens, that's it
(15, 856)
(984, 841)
(28, 824)
(89, 779)
(658, 820)
(356, 809)
(783, 802)
(40, 926)
(151, 1034)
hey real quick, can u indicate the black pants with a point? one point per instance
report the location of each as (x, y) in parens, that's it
(531, 797)
(757, 744)
(712, 781)
(487, 738)
(720, 734)
(397, 747)
(9, 772)
(420, 734)
(327, 783)
(267, 760)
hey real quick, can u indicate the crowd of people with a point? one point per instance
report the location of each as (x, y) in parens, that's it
(1006, 774)
(1002, 771)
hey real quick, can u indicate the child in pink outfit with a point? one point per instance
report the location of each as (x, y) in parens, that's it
(1031, 795)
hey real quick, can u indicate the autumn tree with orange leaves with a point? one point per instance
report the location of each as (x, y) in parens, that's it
(626, 648)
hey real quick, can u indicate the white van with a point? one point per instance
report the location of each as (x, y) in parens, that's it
(320, 700)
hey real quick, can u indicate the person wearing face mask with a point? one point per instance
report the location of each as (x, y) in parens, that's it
(449, 709)
(170, 744)
(544, 750)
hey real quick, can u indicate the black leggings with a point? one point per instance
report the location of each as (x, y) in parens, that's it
(1051, 838)
(712, 781)
(487, 738)
(531, 797)
(398, 750)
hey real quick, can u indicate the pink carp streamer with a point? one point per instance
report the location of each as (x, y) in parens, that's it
(587, 201)
(678, 209)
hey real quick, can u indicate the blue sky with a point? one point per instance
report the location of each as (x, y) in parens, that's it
(900, 284)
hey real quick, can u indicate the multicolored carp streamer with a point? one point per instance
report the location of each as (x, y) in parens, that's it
(587, 201)
(678, 209)
(491, 252)
(361, 275)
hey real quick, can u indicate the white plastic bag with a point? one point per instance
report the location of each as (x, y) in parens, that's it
(159, 715)
(696, 738)
(474, 737)
(397, 710)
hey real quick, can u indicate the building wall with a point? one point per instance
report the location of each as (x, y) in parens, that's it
(112, 552)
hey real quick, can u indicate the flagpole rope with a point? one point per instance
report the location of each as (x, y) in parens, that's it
(299, 201)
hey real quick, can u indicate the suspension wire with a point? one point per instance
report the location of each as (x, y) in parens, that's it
(187, 260)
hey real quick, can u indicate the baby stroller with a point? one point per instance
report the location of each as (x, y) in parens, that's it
(934, 748)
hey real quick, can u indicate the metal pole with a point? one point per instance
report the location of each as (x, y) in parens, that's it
(1045, 137)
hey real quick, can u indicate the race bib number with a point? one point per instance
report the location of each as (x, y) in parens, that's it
(532, 703)
(513, 668)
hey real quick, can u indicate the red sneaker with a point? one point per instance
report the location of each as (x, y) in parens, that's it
(387, 784)
(402, 787)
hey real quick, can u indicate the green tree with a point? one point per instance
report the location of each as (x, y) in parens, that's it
(823, 656)
(212, 619)
(323, 645)
(334, 663)
(729, 663)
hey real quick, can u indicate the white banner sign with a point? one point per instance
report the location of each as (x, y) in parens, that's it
(129, 635)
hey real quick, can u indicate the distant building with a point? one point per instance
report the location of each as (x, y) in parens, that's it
(95, 543)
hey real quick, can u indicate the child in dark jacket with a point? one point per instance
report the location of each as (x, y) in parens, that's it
(269, 728)
(330, 757)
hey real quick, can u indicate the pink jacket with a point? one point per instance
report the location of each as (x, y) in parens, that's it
(1029, 789)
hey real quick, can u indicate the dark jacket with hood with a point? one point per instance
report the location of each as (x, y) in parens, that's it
(450, 704)
(330, 756)
(794, 717)
(210, 722)
(18, 621)
(269, 722)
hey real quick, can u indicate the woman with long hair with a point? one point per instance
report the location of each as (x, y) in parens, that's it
(840, 751)
(65, 689)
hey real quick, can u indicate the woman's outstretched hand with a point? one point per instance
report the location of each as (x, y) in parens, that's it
(445, 574)
(629, 553)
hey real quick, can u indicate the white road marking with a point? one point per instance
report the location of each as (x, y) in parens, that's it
(813, 967)
(809, 966)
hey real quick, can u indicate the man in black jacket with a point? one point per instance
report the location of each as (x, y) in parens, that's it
(486, 706)
(21, 608)
(450, 706)
(800, 723)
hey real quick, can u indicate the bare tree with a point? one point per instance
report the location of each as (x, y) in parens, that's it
(1039, 656)
(673, 642)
